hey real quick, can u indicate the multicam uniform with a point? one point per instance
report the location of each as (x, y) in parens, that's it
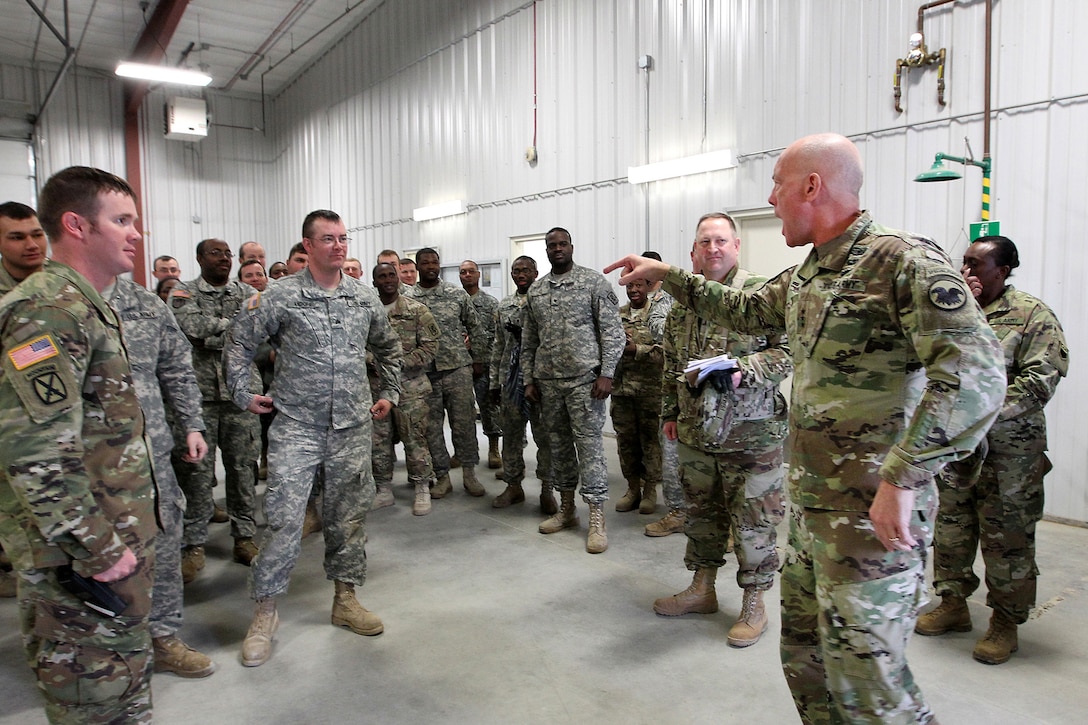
(1002, 504)
(204, 314)
(451, 376)
(506, 375)
(418, 333)
(161, 358)
(77, 489)
(636, 401)
(887, 349)
(572, 336)
(735, 482)
(487, 309)
(323, 336)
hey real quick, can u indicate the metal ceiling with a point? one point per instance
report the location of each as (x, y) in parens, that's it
(238, 42)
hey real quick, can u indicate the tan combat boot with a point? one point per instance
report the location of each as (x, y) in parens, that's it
(173, 655)
(597, 538)
(672, 523)
(442, 487)
(565, 518)
(648, 504)
(629, 500)
(422, 505)
(472, 486)
(192, 561)
(455, 462)
(245, 550)
(548, 506)
(513, 494)
(951, 615)
(698, 598)
(752, 622)
(494, 457)
(257, 646)
(219, 515)
(312, 523)
(347, 612)
(383, 497)
(999, 642)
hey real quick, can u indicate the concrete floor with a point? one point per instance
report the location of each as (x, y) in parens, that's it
(487, 621)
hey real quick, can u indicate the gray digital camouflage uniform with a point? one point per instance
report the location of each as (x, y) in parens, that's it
(736, 481)
(323, 337)
(1002, 504)
(162, 370)
(452, 393)
(507, 376)
(572, 336)
(636, 401)
(487, 309)
(204, 314)
(660, 304)
(887, 350)
(64, 376)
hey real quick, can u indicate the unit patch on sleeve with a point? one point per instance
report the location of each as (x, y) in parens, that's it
(33, 352)
(948, 293)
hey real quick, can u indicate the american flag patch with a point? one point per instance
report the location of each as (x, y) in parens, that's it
(254, 302)
(38, 349)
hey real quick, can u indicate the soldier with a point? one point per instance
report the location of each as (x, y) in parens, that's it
(78, 515)
(419, 335)
(887, 349)
(508, 392)
(730, 441)
(571, 344)
(204, 308)
(251, 272)
(353, 268)
(460, 356)
(165, 267)
(487, 311)
(388, 256)
(636, 403)
(162, 366)
(249, 251)
(22, 244)
(277, 270)
(323, 320)
(1000, 499)
(297, 259)
(407, 272)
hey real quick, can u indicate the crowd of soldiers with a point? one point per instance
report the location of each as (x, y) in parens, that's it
(116, 404)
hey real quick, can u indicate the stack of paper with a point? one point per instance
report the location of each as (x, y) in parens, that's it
(697, 370)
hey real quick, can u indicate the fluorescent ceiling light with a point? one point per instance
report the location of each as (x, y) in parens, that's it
(448, 208)
(163, 74)
(700, 164)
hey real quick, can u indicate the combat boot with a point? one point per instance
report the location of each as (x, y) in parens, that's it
(347, 612)
(672, 523)
(513, 494)
(245, 550)
(999, 642)
(455, 462)
(648, 504)
(699, 598)
(257, 646)
(442, 487)
(752, 622)
(472, 486)
(219, 515)
(422, 505)
(629, 501)
(383, 497)
(548, 505)
(494, 457)
(192, 561)
(500, 474)
(597, 538)
(564, 518)
(951, 615)
(312, 523)
(173, 655)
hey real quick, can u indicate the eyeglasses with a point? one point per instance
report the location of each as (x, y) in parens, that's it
(329, 240)
(219, 253)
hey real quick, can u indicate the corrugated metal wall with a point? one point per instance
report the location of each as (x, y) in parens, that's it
(429, 100)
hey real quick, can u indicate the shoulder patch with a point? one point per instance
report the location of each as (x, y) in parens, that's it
(33, 352)
(178, 292)
(948, 293)
(49, 387)
(611, 297)
(254, 302)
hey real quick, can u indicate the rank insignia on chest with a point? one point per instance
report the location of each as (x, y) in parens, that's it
(33, 352)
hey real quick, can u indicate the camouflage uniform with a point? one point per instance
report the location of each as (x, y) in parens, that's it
(418, 333)
(1002, 504)
(323, 336)
(77, 489)
(451, 375)
(734, 482)
(487, 310)
(887, 349)
(660, 304)
(572, 336)
(204, 314)
(7, 282)
(161, 359)
(506, 375)
(636, 401)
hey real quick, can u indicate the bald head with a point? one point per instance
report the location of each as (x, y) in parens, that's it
(835, 158)
(817, 187)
